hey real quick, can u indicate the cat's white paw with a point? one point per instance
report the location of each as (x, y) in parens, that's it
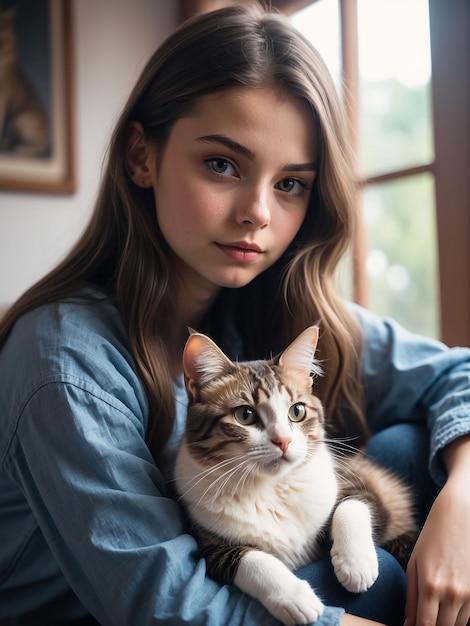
(353, 552)
(356, 572)
(289, 599)
(297, 605)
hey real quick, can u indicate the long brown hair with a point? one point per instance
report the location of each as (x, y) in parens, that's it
(123, 253)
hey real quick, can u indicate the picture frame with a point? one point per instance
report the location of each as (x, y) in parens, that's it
(37, 151)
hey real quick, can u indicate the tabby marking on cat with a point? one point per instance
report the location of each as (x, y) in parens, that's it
(263, 488)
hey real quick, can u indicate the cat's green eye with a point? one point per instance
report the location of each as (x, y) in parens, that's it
(297, 412)
(245, 415)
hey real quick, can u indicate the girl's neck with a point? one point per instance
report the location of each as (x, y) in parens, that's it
(192, 304)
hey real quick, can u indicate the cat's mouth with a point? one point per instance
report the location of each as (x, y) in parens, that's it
(279, 462)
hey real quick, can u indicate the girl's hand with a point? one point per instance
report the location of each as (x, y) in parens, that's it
(439, 569)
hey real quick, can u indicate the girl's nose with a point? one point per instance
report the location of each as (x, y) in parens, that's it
(253, 209)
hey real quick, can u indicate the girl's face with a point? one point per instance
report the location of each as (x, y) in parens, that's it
(233, 183)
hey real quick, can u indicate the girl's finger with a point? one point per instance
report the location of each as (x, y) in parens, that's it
(464, 615)
(448, 615)
(412, 595)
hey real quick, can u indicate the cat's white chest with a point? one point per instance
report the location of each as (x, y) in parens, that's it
(289, 517)
(280, 514)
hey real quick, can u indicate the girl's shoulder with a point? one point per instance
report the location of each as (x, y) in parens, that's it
(81, 341)
(66, 328)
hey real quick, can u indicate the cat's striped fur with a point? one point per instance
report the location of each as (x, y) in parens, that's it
(264, 491)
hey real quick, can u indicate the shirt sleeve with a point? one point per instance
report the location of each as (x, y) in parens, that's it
(410, 378)
(79, 455)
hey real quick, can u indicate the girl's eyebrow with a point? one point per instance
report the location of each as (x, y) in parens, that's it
(228, 143)
(250, 155)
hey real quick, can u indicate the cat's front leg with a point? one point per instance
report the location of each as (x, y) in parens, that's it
(353, 552)
(289, 599)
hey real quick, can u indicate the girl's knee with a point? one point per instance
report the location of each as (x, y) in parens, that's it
(385, 600)
(403, 448)
(392, 577)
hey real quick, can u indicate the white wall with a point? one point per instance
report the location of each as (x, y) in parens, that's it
(113, 39)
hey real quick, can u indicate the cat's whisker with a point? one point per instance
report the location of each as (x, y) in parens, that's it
(202, 476)
(215, 468)
(249, 470)
(198, 478)
(341, 446)
(341, 462)
(346, 474)
(226, 477)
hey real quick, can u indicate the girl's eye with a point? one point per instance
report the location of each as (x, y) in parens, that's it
(292, 186)
(245, 415)
(220, 166)
(297, 412)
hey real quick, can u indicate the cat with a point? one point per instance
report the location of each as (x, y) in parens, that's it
(24, 127)
(265, 492)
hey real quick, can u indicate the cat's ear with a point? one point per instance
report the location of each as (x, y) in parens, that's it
(203, 360)
(300, 354)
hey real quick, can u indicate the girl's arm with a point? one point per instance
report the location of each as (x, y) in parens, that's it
(412, 379)
(409, 378)
(438, 572)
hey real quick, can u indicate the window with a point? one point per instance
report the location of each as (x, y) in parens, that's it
(412, 260)
(412, 129)
(395, 262)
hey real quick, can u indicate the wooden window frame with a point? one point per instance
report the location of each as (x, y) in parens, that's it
(450, 54)
(450, 51)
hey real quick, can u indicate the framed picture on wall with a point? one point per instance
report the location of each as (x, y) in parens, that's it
(36, 129)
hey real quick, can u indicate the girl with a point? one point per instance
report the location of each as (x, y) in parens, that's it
(226, 205)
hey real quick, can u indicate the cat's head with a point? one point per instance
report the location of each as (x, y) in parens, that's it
(260, 412)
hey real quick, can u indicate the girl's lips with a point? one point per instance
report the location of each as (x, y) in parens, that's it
(247, 253)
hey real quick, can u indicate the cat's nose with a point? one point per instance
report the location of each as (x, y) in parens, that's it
(282, 442)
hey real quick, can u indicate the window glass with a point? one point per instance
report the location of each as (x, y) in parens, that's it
(395, 132)
(394, 83)
(401, 258)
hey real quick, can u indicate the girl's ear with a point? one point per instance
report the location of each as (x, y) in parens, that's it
(139, 157)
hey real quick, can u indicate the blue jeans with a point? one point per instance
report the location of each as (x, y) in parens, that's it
(405, 450)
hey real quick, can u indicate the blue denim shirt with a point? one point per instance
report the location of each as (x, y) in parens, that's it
(83, 506)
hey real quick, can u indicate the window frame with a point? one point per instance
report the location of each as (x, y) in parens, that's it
(450, 51)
